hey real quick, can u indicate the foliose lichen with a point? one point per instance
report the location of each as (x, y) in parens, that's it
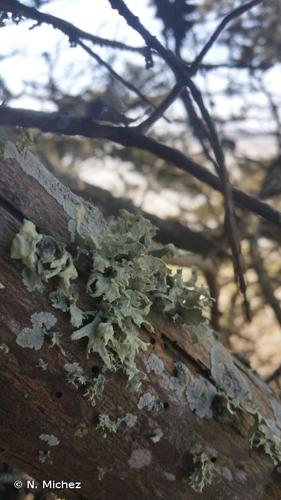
(203, 474)
(200, 394)
(92, 387)
(42, 364)
(156, 435)
(50, 439)
(33, 337)
(228, 379)
(147, 401)
(4, 348)
(154, 364)
(45, 457)
(126, 278)
(106, 424)
(265, 435)
(101, 473)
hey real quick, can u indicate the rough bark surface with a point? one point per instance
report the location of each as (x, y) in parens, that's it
(127, 464)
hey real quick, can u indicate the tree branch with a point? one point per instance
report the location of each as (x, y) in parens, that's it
(129, 136)
(227, 19)
(161, 426)
(74, 33)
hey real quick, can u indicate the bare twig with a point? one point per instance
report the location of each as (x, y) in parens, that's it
(160, 110)
(115, 75)
(130, 137)
(226, 20)
(75, 36)
(199, 129)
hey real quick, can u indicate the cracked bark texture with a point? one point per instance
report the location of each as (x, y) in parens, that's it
(126, 464)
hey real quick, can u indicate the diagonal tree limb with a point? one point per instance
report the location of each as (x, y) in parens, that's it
(226, 20)
(129, 137)
(160, 110)
(115, 75)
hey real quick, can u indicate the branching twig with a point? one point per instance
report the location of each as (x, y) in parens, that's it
(75, 35)
(230, 219)
(115, 75)
(160, 110)
(226, 20)
(183, 74)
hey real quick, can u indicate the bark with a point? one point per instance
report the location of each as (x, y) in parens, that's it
(35, 401)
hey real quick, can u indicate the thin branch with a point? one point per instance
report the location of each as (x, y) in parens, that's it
(160, 110)
(226, 20)
(183, 74)
(180, 70)
(87, 127)
(74, 37)
(198, 126)
(115, 75)
(65, 27)
(230, 217)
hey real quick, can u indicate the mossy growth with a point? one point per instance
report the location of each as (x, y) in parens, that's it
(125, 279)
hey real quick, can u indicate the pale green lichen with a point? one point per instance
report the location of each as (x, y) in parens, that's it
(125, 281)
(106, 425)
(33, 338)
(156, 435)
(203, 474)
(4, 348)
(75, 374)
(1, 286)
(92, 387)
(50, 439)
(265, 435)
(44, 258)
(45, 457)
(42, 364)
(101, 473)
